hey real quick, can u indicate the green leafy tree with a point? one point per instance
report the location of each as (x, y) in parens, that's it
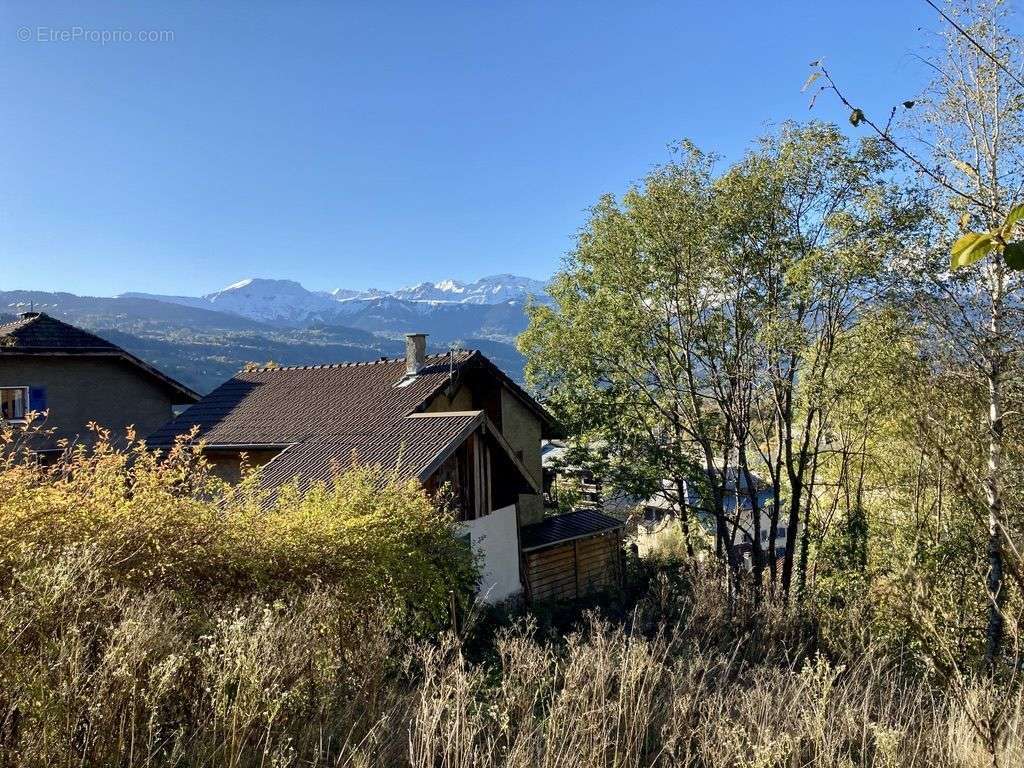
(612, 358)
(696, 322)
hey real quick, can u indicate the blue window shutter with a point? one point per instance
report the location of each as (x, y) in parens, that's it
(37, 399)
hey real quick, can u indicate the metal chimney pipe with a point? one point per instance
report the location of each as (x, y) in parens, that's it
(415, 352)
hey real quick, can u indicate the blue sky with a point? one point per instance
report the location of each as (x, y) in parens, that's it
(379, 144)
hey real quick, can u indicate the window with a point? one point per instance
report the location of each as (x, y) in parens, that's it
(781, 533)
(655, 514)
(13, 403)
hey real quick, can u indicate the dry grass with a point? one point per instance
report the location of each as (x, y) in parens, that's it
(99, 677)
(110, 654)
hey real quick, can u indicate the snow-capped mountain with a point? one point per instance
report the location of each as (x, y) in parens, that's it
(287, 302)
(496, 289)
(270, 300)
(343, 294)
(203, 340)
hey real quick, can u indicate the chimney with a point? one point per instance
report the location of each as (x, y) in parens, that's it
(415, 352)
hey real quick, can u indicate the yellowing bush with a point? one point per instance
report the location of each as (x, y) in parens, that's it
(153, 521)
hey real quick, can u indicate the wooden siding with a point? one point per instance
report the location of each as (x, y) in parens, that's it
(467, 473)
(574, 569)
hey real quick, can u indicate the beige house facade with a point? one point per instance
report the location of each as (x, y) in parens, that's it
(68, 378)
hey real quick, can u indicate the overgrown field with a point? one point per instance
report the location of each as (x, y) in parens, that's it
(150, 616)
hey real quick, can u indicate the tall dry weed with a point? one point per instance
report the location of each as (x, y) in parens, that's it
(267, 644)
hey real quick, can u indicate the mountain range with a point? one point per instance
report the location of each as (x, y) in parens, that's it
(202, 340)
(287, 302)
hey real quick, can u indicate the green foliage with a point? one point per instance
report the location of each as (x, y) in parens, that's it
(1013, 253)
(974, 246)
(703, 311)
(1015, 215)
(971, 248)
(804, 257)
(567, 489)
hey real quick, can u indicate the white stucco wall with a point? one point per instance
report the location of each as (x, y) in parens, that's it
(495, 537)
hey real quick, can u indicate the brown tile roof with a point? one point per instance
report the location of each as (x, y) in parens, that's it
(412, 448)
(323, 416)
(36, 333)
(275, 406)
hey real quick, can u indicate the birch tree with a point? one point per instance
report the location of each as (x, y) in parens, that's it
(976, 117)
(965, 138)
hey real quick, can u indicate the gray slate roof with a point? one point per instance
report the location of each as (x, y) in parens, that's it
(567, 527)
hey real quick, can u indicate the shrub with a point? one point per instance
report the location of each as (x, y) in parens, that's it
(164, 522)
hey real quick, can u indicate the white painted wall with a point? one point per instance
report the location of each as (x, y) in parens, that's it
(495, 536)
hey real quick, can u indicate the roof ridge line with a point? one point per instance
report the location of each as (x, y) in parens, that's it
(348, 364)
(21, 322)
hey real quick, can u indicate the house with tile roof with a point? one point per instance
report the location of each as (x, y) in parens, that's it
(452, 421)
(73, 377)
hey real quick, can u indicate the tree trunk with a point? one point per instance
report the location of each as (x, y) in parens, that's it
(756, 552)
(994, 583)
(796, 468)
(684, 515)
(805, 531)
(681, 500)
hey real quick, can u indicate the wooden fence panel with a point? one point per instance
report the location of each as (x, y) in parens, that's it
(571, 570)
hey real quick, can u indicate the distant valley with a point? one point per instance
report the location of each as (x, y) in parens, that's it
(202, 340)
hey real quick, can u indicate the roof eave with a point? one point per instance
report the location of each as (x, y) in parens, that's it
(481, 419)
(606, 525)
(435, 463)
(569, 539)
